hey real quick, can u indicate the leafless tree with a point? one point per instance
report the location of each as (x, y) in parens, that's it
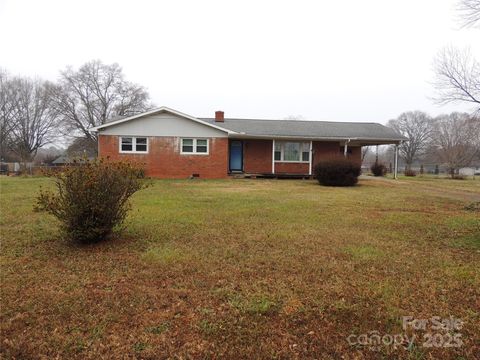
(294, 117)
(46, 155)
(458, 77)
(416, 126)
(456, 140)
(33, 121)
(365, 151)
(82, 146)
(95, 93)
(7, 111)
(469, 12)
(458, 72)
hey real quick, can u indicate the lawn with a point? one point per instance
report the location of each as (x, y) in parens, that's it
(245, 269)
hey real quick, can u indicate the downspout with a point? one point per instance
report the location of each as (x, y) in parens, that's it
(273, 156)
(345, 148)
(310, 158)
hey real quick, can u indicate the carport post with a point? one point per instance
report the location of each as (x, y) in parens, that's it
(395, 167)
(273, 156)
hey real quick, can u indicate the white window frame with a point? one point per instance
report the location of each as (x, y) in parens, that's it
(303, 144)
(134, 145)
(194, 145)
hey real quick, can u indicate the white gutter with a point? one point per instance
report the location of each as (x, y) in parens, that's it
(273, 156)
(311, 138)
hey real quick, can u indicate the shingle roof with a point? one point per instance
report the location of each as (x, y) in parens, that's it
(365, 133)
(62, 159)
(309, 129)
(65, 159)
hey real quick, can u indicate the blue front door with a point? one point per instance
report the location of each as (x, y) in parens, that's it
(236, 155)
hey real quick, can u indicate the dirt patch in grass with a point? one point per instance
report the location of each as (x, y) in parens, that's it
(243, 269)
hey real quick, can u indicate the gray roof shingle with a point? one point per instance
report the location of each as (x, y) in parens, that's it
(366, 133)
(309, 129)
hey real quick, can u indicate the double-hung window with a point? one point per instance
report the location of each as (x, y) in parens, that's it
(292, 151)
(132, 144)
(194, 146)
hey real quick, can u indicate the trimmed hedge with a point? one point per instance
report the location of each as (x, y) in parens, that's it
(337, 172)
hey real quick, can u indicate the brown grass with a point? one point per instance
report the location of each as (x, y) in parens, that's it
(244, 269)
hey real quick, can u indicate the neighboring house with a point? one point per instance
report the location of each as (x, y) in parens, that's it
(176, 145)
(469, 171)
(63, 160)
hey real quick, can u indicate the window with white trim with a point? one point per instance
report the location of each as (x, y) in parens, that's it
(194, 146)
(292, 151)
(132, 144)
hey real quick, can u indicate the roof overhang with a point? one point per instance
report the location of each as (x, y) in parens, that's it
(159, 110)
(352, 140)
(358, 141)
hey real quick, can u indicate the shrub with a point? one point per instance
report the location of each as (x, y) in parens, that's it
(378, 169)
(337, 172)
(91, 197)
(410, 172)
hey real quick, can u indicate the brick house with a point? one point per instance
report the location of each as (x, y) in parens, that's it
(172, 144)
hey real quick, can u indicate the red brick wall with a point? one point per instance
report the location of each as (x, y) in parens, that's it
(257, 156)
(291, 168)
(324, 150)
(165, 161)
(356, 153)
(257, 159)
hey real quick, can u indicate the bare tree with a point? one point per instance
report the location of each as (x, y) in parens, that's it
(46, 155)
(456, 140)
(470, 12)
(81, 146)
(294, 117)
(458, 77)
(95, 93)
(458, 72)
(7, 112)
(416, 126)
(365, 151)
(33, 123)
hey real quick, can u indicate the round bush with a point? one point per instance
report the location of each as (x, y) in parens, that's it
(378, 169)
(91, 197)
(337, 172)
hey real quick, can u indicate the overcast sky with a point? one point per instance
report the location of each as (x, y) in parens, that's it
(345, 60)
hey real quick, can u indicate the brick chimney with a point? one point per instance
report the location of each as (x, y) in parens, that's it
(219, 116)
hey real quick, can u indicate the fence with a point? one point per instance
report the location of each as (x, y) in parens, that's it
(15, 168)
(425, 169)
